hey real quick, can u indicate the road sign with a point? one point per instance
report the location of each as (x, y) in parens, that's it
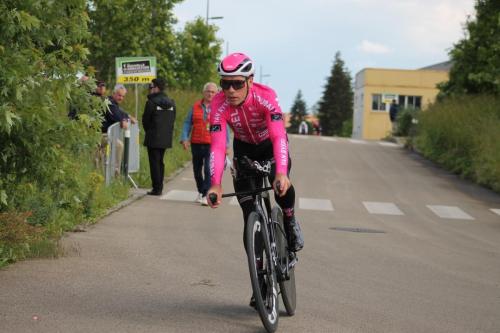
(135, 70)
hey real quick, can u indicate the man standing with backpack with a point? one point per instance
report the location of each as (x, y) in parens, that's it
(158, 122)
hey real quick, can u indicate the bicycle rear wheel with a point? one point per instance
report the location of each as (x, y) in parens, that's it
(262, 272)
(286, 275)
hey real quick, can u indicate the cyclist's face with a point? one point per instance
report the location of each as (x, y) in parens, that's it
(236, 96)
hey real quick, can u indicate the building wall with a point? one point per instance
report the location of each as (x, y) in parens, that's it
(374, 125)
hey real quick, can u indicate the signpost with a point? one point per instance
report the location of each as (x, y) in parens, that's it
(134, 70)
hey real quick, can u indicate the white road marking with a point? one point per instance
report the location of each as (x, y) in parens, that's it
(382, 208)
(326, 138)
(301, 136)
(496, 211)
(234, 201)
(179, 195)
(357, 141)
(187, 179)
(449, 212)
(315, 204)
(389, 144)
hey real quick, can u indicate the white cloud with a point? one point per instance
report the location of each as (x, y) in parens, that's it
(373, 48)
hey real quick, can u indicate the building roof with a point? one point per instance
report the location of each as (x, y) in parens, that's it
(442, 66)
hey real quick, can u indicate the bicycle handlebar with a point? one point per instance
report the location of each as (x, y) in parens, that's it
(213, 197)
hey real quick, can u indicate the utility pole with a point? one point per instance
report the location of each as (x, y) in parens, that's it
(208, 5)
(213, 17)
(262, 75)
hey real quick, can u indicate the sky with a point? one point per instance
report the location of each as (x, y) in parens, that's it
(295, 41)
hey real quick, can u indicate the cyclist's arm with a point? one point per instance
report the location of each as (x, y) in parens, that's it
(277, 135)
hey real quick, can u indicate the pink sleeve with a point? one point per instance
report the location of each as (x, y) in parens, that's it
(218, 128)
(277, 134)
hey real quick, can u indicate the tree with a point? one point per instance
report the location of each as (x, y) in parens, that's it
(297, 113)
(127, 28)
(476, 58)
(39, 146)
(336, 105)
(196, 59)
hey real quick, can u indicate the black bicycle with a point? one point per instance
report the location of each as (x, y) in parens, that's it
(270, 262)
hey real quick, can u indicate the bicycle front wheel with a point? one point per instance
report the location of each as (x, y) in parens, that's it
(262, 272)
(287, 274)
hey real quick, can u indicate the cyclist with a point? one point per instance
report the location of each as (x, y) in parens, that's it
(253, 113)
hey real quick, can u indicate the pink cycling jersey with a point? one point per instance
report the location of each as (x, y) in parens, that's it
(257, 119)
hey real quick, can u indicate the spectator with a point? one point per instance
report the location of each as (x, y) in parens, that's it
(158, 122)
(197, 124)
(73, 108)
(115, 114)
(100, 90)
(316, 127)
(303, 128)
(393, 115)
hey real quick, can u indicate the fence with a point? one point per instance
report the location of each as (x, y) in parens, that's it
(113, 146)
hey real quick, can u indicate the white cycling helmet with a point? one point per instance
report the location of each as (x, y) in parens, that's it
(236, 64)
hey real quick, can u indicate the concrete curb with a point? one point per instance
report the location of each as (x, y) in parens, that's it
(135, 194)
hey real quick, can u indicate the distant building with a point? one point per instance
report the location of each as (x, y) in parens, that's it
(375, 88)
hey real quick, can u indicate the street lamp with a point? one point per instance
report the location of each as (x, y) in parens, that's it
(213, 17)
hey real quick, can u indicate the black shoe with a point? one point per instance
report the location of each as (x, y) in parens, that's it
(153, 192)
(295, 238)
(252, 302)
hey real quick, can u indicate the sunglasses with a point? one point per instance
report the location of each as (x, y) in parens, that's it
(151, 87)
(236, 84)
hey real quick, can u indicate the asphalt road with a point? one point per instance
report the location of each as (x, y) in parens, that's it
(393, 244)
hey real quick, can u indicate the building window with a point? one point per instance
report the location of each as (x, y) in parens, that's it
(418, 102)
(377, 104)
(410, 101)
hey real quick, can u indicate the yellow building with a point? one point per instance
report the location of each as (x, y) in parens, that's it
(375, 88)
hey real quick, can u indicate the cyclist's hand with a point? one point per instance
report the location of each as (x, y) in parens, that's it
(217, 190)
(284, 183)
(185, 144)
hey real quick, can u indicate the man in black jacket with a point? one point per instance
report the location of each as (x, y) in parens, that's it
(158, 122)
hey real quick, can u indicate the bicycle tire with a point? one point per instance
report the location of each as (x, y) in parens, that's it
(287, 286)
(264, 281)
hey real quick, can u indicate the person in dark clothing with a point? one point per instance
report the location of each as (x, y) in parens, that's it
(115, 114)
(393, 115)
(158, 122)
(100, 90)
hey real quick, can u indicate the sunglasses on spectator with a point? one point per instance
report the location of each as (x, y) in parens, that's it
(151, 86)
(236, 84)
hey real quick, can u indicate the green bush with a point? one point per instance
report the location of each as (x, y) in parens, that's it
(406, 121)
(346, 131)
(463, 135)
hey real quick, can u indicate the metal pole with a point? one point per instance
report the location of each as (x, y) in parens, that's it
(136, 100)
(126, 147)
(208, 4)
